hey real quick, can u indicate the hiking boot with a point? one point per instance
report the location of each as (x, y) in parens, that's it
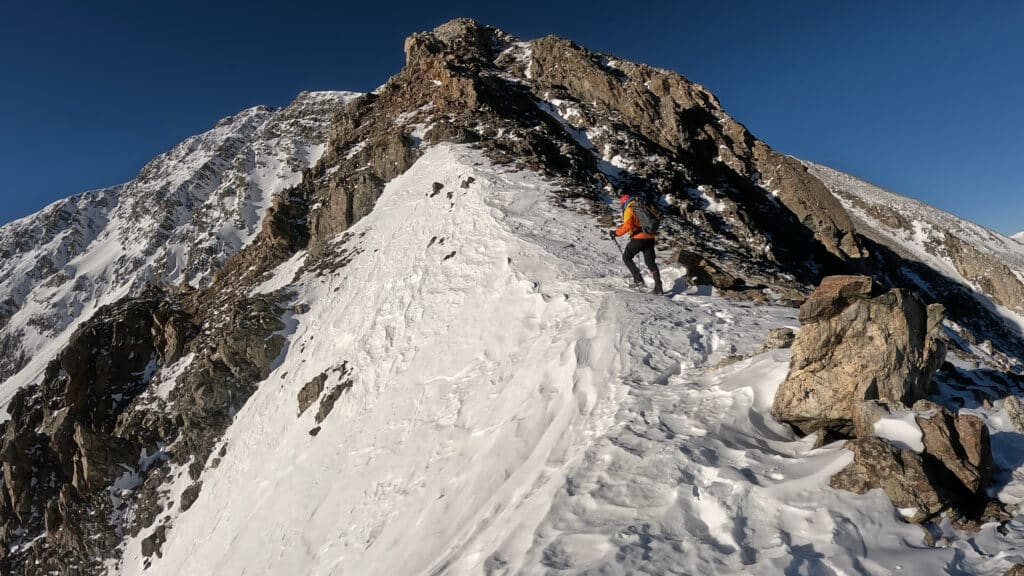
(657, 288)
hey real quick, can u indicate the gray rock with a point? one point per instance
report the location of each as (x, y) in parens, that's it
(779, 338)
(1015, 410)
(833, 295)
(865, 415)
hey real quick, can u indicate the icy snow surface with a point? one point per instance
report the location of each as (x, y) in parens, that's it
(514, 409)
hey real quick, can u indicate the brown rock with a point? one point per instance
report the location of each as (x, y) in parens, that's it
(884, 348)
(899, 472)
(977, 445)
(1015, 570)
(310, 392)
(833, 295)
(967, 454)
(865, 414)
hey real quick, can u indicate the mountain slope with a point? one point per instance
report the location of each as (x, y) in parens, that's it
(492, 398)
(978, 274)
(420, 355)
(177, 222)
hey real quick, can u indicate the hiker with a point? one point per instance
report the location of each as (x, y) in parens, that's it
(639, 241)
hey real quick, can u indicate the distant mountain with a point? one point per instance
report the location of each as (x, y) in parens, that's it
(389, 334)
(177, 222)
(1019, 236)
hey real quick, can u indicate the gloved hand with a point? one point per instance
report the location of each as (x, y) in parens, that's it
(612, 234)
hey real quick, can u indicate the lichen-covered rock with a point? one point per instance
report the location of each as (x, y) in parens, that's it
(898, 471)
(779, 338)
(1015, 410)
(884, 348)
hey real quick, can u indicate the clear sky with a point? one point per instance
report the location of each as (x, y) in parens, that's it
(924, 98)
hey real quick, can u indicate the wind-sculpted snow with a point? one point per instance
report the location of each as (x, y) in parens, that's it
(186, 212)
(485, 395)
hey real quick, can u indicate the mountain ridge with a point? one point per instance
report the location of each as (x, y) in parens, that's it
(495, 160)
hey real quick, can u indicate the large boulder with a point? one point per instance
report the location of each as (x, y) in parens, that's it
(853, 348)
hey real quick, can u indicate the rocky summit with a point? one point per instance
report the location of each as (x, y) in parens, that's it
(387, 333)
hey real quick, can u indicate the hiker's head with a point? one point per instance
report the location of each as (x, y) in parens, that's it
(624, 199)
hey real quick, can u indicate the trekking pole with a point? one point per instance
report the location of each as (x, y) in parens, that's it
(616, 240)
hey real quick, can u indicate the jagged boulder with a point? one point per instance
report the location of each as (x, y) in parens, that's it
(900, 472)
(172, 329)
(959, 442)
(833, 295)
(853, 348)
(100, 458)
(949, 467)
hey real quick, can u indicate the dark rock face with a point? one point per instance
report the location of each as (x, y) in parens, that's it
(62, 446)
(884, 348)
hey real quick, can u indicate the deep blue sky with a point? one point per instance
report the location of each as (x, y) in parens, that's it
(924, 98)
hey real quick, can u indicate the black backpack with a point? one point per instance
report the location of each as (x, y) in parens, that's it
(648, 215)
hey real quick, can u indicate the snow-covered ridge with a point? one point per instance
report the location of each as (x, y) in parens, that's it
(505, 405)
(1019, 236)
(186, 212)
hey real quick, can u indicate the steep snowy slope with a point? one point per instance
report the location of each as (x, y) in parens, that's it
(185, 213)
(484, 396)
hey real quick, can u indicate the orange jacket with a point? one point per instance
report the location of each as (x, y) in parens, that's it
(631, 225)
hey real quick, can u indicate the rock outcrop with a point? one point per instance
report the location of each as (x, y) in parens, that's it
(900, 472)
(852, 348)
(950, 469)
(862, 359)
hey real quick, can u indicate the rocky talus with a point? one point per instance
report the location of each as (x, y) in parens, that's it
(862, 366)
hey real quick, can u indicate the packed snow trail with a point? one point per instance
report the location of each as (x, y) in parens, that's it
(510, 408)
